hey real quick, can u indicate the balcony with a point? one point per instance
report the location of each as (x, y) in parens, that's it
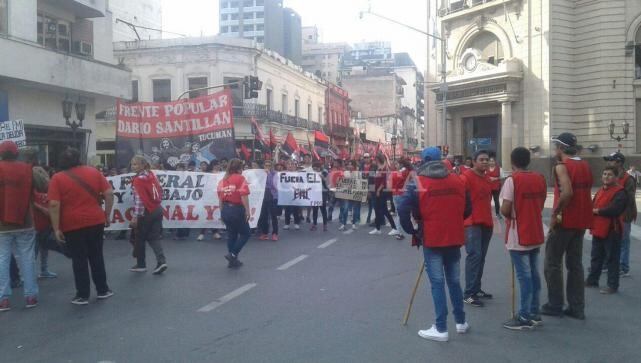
(458, 8)
(51, 68)
(261, 113)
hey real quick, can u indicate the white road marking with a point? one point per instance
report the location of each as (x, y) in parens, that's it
(232, 295)
(291, 263)
(328, 243)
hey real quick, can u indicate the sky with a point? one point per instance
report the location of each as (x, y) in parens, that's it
(337, 20)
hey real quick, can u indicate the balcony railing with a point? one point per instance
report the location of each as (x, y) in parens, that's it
(261, 113)
(455, 6)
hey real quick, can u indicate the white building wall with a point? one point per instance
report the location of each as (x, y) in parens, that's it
(146, 13)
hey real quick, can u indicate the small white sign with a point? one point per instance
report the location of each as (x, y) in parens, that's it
(14, 131)
(304, 189)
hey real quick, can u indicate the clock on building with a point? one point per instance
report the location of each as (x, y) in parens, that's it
(470, 62)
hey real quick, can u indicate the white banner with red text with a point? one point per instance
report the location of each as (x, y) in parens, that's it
(190, 200)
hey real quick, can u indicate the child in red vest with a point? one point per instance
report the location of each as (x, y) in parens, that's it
(608, 206)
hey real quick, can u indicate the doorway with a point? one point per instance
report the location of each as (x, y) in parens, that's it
(481, 133)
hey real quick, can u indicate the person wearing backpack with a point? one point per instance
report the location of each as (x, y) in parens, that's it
(147, 215)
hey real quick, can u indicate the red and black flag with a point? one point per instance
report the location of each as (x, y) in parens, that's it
(321, 140)
(290, 146)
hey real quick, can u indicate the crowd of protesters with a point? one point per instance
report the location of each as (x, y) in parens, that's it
(441, 203)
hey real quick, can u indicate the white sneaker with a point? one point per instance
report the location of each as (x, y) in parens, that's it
(217, 236)
(393, 232)
(286, 227)
(296, 227)
(376, 231)
(462, 328)
(341, 228)
(433, 334)
(354, 227)
(200, 237)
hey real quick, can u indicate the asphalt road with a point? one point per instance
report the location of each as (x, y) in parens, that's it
(293, 301)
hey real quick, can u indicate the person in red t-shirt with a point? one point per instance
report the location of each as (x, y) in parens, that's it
(494, 173)
(478, 228)
(233, 193)
(78, 220)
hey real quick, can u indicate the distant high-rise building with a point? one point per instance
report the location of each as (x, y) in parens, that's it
(264, 21)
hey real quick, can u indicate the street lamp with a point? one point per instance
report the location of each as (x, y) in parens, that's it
(619, 138)
(67, 107)
(393, 140)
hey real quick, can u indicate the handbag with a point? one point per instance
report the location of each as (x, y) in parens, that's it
(81, 183)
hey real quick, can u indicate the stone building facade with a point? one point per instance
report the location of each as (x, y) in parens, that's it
(522, 71)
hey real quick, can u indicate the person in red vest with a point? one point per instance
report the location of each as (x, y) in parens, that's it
(571, 216)
(523, 198)
(233, 192)
(609, 204)
(478, 228)
(439, 202)
(494, 173)
(629, 184)
(17, 183)
(147, 215)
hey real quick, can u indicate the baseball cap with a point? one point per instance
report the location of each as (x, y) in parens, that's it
(9, 146)
(615, 156)
(431, 154)
(366, 155)
(565, 139)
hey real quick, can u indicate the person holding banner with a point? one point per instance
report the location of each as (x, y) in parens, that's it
(350, 205)
(147, 215)
(523, 198)
(269, 211)
(233, 192)
(290, 209)
(323, 209)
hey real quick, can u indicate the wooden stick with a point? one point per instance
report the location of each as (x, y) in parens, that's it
(409, 307)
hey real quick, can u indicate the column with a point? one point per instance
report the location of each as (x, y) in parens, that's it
(506, 134)
(450, 131)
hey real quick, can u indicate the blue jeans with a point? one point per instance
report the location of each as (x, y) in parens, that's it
(346, 207)
(477, 241)
(625, 248)
(24, 245)
(237, 227)
(443, 265)
(526, 265)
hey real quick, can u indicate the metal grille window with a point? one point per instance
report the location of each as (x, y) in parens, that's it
(195, 83)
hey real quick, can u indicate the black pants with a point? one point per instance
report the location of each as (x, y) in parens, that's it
(269, 213)
(323, 210)
(14, 272)
(569, 243)
(381, 212)
(606, 252)
(85, 247)
(149, 230)
(295, 211)
(497, 203)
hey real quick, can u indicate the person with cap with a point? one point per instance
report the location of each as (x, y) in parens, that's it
(17, 183)
(523, 198)
(609, 205)
(479, 227)
(440, 203)
(571, 216)
(629, 184)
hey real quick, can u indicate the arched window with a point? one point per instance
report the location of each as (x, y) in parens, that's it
(637, 55)
(490, 47)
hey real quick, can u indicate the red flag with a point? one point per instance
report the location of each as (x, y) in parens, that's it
(272, 138)
(245, 151)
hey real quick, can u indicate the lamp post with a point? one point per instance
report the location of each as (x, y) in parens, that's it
(619, 138)
(67, 107)
(393, 140)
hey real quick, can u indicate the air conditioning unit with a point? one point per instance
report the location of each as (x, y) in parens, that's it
(83, 48)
